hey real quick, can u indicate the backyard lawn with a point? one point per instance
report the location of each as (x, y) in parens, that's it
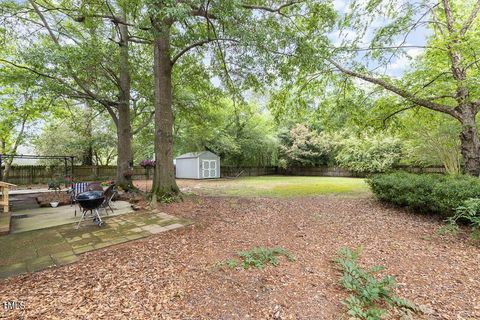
(274, 186)
(183, 274)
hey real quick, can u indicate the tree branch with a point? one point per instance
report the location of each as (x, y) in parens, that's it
(144, 123)
(38, 73)
(268, 9)
(470, 19)
(395, 113)
(77, 80)
(112, 114)
(137, 39)
(198, 44)
(401, 92)
(448, 15)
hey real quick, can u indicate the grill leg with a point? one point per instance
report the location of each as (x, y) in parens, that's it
(84, 213)
(100, 222)
(106, 207)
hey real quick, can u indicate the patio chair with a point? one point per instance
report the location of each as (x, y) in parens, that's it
(109, 194)
(94, 186)
(75, 190)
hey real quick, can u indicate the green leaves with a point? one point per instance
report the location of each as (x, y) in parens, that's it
(259, 257)
(425, 193)
(468, 212)
(369, 296)
(369, 153)
(301, 146)
(241, 134)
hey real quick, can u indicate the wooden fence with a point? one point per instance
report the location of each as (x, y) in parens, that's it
(322, 171)
(247, 171)
(24, 175)
(326, 171)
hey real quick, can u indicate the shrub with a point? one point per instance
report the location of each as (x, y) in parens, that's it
(369, 297)
(147, 163)
(371, 154)
(302, 146)
(427, 193)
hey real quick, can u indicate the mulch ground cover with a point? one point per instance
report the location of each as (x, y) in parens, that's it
(175, 275)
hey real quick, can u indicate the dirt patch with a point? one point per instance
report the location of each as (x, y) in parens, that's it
(171, 276)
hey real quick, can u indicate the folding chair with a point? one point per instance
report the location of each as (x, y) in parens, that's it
(75, 190)
(109, 194)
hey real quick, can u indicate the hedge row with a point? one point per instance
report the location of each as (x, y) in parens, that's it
(426, 193)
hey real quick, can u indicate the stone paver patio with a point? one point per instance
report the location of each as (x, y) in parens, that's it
(32, 251)
(43, 218)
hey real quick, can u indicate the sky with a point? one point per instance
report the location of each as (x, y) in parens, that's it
(399, 65)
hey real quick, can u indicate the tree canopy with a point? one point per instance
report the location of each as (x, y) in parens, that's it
(274, 82)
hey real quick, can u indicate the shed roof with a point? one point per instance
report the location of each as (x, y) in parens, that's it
(192, 155)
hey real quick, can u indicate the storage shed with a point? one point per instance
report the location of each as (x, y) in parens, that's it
(197, 165)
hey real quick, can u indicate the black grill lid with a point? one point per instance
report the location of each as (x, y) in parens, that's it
(90, 195)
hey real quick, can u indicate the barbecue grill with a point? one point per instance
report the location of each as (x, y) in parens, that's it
(90, 201)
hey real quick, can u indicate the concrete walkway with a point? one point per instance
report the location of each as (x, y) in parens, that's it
(31, 251)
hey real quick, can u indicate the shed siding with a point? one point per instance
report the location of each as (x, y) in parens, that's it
(187, 168)
(190, 165)
(210, 156)
(198, 168)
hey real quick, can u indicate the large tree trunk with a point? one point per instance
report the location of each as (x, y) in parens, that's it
(8, 168)
(87, 157)
(164, 177)
(13, 151)
(470, 143)
(124, 129)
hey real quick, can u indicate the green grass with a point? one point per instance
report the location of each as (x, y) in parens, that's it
(283, 186)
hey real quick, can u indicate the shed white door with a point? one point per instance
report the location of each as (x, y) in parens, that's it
(209, 168)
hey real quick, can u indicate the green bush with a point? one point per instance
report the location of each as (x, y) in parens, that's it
(369, 153)
(427, 193)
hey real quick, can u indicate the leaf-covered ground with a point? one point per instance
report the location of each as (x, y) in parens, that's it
(172, 275)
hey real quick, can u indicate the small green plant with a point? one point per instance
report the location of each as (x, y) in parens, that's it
(231, 263)
(449, 228)
(369, 297)
(257, 258)
(167, 198)
(468, 212)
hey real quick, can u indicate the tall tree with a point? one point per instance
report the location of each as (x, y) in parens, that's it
(19, 110)
(444, 80)
(86, 58)
(247, 30)
(22, 104)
